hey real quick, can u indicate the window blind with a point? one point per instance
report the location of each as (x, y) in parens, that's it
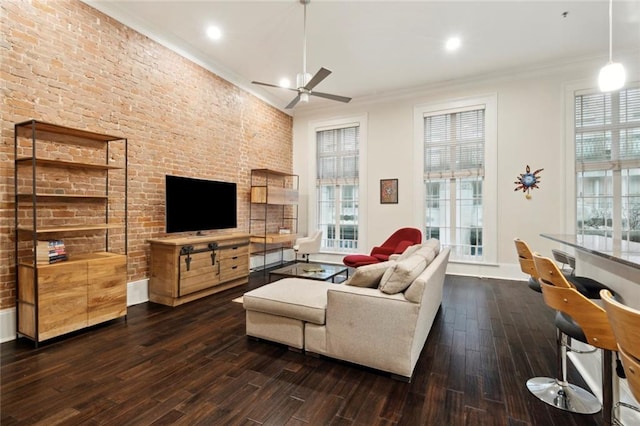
(337, 154)
(607, 130)
(454, 144)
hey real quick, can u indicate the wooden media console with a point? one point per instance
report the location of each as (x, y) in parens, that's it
(188, 268)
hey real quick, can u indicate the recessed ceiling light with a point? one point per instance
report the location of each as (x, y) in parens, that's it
(284, 82)
(453, 44)
(214, 32)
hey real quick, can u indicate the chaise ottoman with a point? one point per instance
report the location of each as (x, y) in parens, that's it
(279, 311)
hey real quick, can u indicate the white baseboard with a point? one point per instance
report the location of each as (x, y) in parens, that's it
(137, 292)
(7, 324)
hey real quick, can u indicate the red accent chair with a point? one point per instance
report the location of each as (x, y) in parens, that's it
(395, 244)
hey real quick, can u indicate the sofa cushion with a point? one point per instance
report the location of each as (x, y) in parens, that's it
(369, 275)
(434, 243)
(297, 298)
(429, 250)
(429, 253)
(400, 276)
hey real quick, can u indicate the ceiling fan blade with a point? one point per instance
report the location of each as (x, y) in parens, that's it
(293, 102)
(320, 75)
(330, 96)
(273, 85)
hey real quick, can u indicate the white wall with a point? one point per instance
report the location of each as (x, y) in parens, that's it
(531, 131)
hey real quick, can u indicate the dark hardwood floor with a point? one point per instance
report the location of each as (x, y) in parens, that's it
(193, 364)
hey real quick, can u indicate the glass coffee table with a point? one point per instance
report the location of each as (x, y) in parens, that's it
(312, 271)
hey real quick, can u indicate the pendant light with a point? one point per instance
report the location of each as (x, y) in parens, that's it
(612, 75)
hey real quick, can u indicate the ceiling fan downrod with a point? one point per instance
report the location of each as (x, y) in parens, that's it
(304, 79)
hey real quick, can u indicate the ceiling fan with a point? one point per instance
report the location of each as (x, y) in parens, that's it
(304, 82)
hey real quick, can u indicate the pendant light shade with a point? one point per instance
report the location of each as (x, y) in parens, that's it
(612, 76)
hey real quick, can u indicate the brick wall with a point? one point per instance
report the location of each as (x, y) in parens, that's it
(66, 63)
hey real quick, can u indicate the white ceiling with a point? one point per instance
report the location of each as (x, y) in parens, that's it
(379, 47)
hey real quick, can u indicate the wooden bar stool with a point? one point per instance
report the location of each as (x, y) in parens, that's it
(557, 392)
(592, 322)
(625, 322)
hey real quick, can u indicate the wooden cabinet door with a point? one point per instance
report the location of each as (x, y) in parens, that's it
(200, 273)
(106, 288)
(62, 298)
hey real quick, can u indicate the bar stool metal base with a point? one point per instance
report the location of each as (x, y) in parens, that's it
(566, 396)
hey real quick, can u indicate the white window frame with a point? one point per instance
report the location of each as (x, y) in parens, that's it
(490, 186)
(571, 176)
(329, 124)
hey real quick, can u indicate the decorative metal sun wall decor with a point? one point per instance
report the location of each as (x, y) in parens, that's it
(528, 181)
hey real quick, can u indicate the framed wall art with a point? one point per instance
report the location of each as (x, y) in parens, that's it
(388, 191)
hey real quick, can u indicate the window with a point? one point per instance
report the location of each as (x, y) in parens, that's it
(607, 143)
(337, 187)
(454, 169)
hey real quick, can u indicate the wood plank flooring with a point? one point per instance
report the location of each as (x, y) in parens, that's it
(193, 365)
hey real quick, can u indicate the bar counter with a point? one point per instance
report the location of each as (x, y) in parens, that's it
(613, 262)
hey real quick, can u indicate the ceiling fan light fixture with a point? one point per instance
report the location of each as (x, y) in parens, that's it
(612, 76)
(304, 97)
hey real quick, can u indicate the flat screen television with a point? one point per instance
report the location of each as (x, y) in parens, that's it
(199, 204)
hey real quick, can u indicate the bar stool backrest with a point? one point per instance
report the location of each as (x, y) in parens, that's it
(525, 257)
(625, 322)
(560, 295)
(631, 367)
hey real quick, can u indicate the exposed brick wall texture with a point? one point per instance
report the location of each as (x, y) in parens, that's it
(65, 63)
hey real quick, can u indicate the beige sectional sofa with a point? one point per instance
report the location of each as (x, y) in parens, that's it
(379, 318)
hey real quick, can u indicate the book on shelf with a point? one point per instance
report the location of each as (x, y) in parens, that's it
(50, 251)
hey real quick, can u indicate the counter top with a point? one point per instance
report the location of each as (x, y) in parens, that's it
(621, 251)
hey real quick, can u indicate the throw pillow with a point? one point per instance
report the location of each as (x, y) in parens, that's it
(408, 252)
(400, 276)
(369, 275)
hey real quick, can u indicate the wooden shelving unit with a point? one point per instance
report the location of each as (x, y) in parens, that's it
(274, 204)
(70, 185)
